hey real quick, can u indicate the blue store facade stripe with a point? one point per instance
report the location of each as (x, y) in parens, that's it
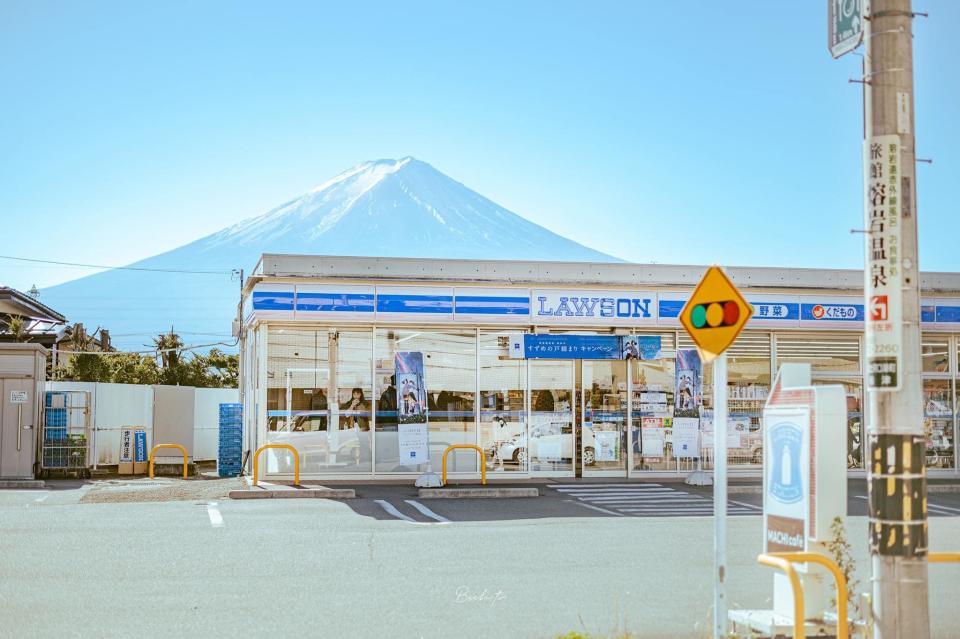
(336, 302)
(273, 300)
(415, 304)
(948, 314)
(487, 305)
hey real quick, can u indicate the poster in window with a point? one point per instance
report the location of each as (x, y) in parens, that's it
(688, 395)
(412, 432)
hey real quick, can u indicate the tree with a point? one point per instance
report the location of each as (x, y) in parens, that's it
(133, 368)
(88, 367)
(17, 327)
(223, 370)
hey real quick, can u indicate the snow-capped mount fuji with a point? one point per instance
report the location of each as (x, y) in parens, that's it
(385, 208)
(398, 208)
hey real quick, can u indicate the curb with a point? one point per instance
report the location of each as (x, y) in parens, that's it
(22, 483)
(477, 493)
(294, 493)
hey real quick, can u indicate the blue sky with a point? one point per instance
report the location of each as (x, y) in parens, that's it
(692, 132)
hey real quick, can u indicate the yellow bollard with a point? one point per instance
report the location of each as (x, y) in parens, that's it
(183, 451)
(483, 462)
(296, 461)
(779, 562)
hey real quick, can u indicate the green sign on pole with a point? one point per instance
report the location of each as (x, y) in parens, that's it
(845, 26)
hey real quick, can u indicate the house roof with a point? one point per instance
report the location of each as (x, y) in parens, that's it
(14, 302)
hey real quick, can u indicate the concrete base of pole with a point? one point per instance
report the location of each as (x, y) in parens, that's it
(699, 478)
(428, 479)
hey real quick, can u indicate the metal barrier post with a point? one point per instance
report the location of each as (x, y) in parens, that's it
(843, 630)
(296, 461)
(183, 451)
(779, 562)
(483, 462)
(943, 557)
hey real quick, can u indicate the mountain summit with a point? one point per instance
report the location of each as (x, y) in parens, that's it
(399, 208)
(385, 208)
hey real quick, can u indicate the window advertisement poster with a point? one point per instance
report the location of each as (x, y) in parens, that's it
(653, 437)
(686, 437)
(412, 431)
(411, 389)
(606, 445)
(786, 490)
(738, 430)
(883, 283)
(689, 383)
(640, 346)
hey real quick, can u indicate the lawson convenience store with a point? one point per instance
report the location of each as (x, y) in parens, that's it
(554, 369)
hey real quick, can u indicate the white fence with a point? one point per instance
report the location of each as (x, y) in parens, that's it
(116, 406)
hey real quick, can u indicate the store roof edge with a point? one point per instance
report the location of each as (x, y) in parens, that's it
(534, 272)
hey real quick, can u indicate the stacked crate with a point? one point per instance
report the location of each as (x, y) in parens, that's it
(55, 444)
(231, 440)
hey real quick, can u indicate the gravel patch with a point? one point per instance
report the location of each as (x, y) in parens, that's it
(160, 489)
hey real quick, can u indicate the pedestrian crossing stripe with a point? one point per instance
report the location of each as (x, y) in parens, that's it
(647, 500)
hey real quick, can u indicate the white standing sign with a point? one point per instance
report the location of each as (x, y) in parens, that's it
(786, 496)
(414, 443)
(126, 445)
(883, 283)
(19, 397)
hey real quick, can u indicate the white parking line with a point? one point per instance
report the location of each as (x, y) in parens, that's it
(940, 507)
(39, 499)
(744, 504)
(634, 485)
(597, 508)
(426, 511)
(392, 510)
(216, 519)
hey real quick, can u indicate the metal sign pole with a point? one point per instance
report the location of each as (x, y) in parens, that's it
(720, 495)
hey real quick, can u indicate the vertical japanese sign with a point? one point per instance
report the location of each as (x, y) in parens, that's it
(412, 429)
(883, 279)
(140, 445)
(126, 445)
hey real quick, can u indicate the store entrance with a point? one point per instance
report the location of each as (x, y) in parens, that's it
(604, 395)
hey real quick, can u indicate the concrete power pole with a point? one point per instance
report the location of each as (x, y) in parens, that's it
(895, 467)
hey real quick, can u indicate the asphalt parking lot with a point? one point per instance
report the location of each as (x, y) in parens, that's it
(585, 556)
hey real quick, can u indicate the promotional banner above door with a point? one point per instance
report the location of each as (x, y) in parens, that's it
(526, 346)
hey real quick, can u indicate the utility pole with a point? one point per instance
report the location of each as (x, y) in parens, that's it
(895, 467)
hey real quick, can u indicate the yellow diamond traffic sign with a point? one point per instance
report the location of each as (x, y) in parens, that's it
(715, 313)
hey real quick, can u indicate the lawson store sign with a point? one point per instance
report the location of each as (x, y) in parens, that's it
(554, 307)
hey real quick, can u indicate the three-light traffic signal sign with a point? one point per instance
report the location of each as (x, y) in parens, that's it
(715, 313)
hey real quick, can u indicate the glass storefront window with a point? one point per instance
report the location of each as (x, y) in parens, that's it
(828, 354)
(450, 374)
(935, 354)
(938, 422)
(604, 433)
(748, 384)
(651, 411)
(551, 436)
(331, 435)
(503, 387)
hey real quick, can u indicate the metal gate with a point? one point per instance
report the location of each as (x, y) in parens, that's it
(65, 445)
